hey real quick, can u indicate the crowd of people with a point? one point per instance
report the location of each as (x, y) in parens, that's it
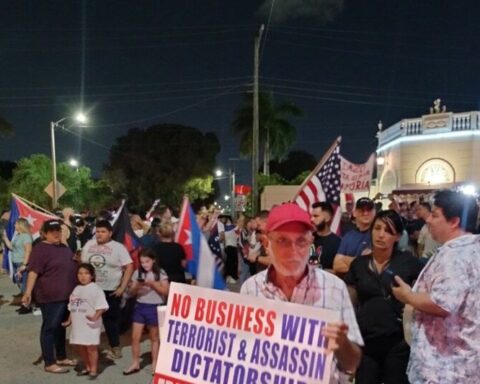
(403, 279)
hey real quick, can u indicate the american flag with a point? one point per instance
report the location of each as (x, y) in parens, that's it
(323, 184)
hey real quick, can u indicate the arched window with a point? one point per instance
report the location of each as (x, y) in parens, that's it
(435, 171)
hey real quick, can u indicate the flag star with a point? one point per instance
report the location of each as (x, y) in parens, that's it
(31, 220)
(189, 237)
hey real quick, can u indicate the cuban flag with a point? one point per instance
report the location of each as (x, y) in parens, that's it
(201, 262)
(20, 207)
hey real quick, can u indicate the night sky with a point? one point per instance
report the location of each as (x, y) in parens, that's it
(347, 64)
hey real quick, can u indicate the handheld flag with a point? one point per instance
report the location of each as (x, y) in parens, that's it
(123, 233)
(323, 184)
(202, 262)
(20, 207)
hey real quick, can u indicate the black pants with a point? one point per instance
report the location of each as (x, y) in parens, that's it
(384, 361)
(111, 319)
(231, 264)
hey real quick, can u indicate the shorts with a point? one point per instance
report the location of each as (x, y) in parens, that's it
(145, 314)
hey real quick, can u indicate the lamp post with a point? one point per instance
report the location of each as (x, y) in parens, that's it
(231, 186)
(79, 118)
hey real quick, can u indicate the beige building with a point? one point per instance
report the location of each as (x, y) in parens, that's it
(437, 150)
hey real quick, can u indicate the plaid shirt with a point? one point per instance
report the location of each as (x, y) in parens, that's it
(447, 350)
(319, 289)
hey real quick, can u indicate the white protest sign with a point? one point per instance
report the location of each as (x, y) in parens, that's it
(212, 336)
(356, 177)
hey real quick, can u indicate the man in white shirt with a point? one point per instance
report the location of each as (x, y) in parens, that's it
(113, 270)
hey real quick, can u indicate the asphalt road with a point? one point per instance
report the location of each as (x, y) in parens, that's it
(20, 348)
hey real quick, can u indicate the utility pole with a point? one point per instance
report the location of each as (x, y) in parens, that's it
(54, 167)
(256, 124)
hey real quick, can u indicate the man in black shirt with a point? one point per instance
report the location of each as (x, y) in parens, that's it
(326, 243)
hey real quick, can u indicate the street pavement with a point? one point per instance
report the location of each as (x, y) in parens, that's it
(20, 348)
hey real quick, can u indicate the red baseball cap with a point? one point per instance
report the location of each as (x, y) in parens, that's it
(288, 213)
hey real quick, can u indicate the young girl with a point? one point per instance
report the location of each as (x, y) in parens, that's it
(150, 286)
(87, 303)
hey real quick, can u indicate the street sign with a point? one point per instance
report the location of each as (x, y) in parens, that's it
(60, 189)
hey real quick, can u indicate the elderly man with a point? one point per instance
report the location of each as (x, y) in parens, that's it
(445, 298)
(52, 277)
(289, 278)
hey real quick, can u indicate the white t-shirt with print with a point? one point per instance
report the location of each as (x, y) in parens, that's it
(108, 260)
(85, 300)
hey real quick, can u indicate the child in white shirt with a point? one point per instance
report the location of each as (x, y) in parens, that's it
(87, 303)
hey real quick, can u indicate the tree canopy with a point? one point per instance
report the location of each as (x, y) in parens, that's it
(34, 173)
(164, 161)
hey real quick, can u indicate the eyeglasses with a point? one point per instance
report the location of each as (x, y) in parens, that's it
(283, 242)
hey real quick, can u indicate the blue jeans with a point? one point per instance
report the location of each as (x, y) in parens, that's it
(22, 282)
(52, 334)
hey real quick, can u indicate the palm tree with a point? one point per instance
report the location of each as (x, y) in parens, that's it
(276, 133)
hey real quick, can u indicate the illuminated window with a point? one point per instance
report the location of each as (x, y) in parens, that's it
(435, 171)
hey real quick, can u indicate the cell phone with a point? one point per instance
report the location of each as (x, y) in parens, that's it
(140, 279)
(391, 275)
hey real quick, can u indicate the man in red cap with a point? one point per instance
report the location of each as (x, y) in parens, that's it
(289, 278)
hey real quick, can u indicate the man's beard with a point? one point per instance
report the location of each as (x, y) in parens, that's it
(321, 226)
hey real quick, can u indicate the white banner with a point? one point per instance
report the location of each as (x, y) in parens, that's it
(356, 177)
(211, 336)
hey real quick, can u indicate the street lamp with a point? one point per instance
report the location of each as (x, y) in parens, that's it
(73, 163)
(231, 187)
(79, 118)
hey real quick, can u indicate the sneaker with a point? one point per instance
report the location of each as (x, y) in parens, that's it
(115, 353)
(36, 312)
(24, 310)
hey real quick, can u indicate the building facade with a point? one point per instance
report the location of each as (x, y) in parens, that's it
(437, 150)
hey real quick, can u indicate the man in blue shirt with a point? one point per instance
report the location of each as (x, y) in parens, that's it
(358, 241)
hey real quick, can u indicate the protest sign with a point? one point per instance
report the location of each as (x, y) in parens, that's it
(212, 336)
(356, 177)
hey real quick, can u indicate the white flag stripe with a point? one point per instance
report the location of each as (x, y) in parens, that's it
(206, 264)
(301, 203)
(310, 196)
(337, 217)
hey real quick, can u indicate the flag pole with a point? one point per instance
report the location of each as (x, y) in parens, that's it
(320, 164)
(23, 200)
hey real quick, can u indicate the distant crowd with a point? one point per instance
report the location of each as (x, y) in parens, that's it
(404, 280)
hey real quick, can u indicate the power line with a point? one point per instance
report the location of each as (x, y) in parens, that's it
(125, 85)
(121, 94)
(183, 108)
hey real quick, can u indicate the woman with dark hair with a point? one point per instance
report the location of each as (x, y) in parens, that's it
(379, 314)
